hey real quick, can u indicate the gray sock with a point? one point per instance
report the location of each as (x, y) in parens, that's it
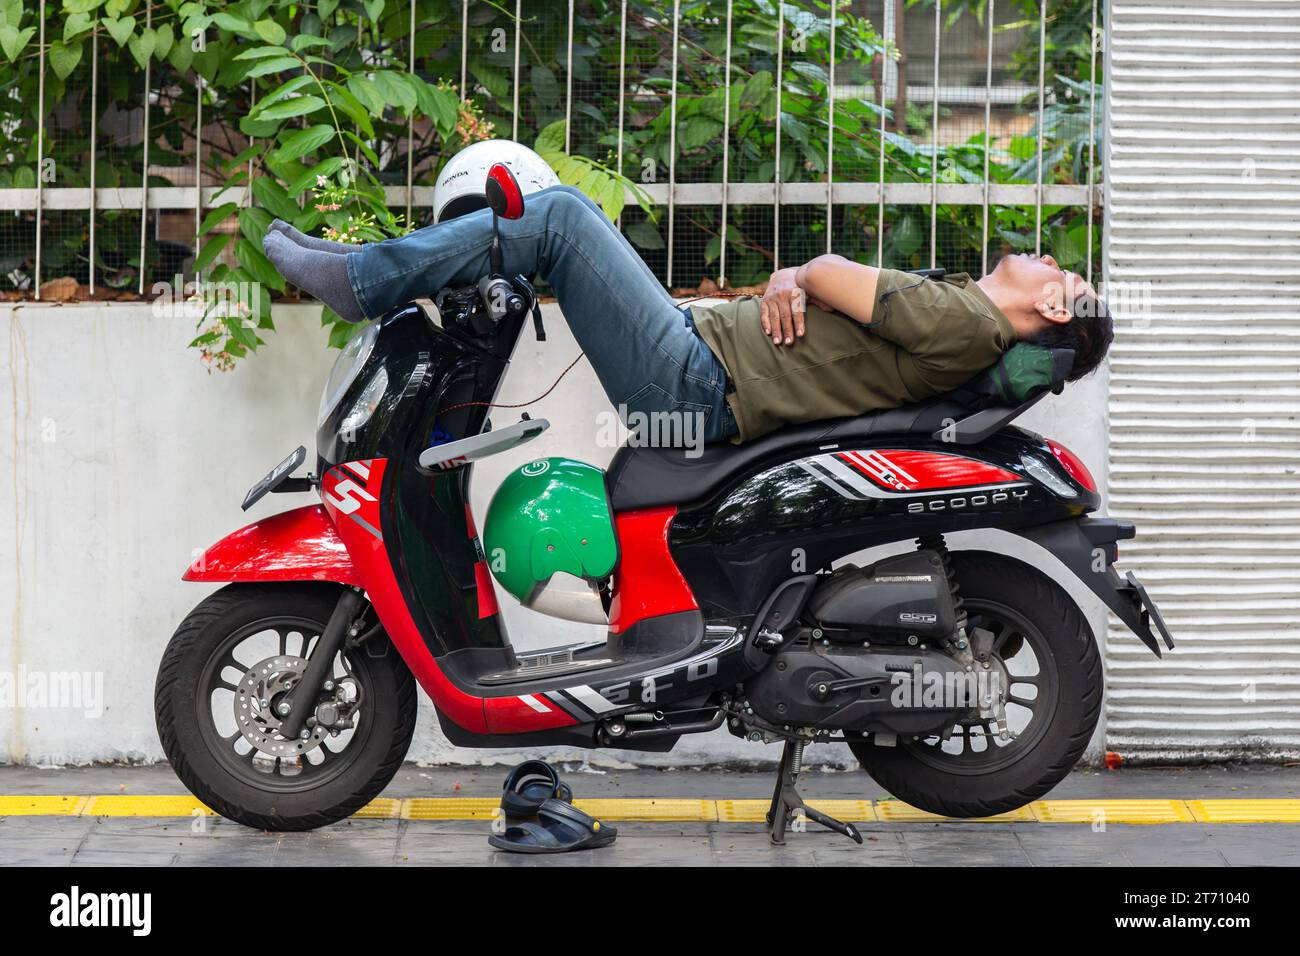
(311, 242)
(323, 274)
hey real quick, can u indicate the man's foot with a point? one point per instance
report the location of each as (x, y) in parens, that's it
(311, 242)
(323, 274)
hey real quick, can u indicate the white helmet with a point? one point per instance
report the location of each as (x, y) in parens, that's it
(460, 184)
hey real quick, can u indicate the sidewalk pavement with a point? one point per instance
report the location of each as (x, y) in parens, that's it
(422, 820)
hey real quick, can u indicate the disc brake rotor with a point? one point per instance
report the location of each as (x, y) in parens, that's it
(260, 691)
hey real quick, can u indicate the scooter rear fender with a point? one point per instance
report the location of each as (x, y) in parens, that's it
(297, 545)
(1088, 547)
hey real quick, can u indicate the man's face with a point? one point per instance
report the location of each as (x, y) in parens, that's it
(1047, 289)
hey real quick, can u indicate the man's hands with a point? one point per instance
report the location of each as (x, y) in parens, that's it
(783, 306)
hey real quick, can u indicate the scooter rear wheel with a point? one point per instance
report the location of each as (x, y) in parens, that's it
(1047, 648)
(222, 675)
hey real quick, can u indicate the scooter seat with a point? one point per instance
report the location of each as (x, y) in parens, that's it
(646, 477)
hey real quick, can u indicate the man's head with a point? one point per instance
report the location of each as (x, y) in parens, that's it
(1051, 307)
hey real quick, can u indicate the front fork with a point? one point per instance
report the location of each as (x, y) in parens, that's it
(302, 700)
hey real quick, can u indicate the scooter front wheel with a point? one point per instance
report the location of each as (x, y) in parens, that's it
(221, 684)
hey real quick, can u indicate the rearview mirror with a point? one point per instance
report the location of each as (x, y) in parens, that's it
(504, 196)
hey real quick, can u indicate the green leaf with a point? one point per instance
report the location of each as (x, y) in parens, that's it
(613, 198)
(545, 85)
(64, 57)
(181, 56)
(295, 106)
(304, 40)
(261, 52)
(906, 236)
(78, 22)
(645, 235)
(366, 149)
(551, 138)
(439, 105)
(228, 21)
(341, 332)
(270, 31)
(119, 30)
(304, 141)
(211, 249)
(326, 167)
(255, 263)
(756, 89)
(12, 40)
(698, 131)
(163, 41)
(270, 195)
(394, 90)
(217, 215)
(141, 46)
(253, 223)
(352, 107)
(292, 85)
(273, 65)
(367, 93)
(258, 128)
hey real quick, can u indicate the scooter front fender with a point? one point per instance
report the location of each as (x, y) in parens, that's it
(297, 545)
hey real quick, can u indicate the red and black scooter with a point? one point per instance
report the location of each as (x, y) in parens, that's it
(967, 683)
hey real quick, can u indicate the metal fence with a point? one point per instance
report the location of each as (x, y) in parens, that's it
(819, 202)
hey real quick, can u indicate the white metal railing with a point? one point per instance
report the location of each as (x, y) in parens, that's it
(671, 194)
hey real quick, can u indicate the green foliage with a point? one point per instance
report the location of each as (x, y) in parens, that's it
(307, 107)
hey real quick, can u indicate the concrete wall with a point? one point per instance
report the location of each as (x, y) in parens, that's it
(121, 457)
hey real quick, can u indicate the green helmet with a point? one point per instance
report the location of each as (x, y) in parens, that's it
(552, 516)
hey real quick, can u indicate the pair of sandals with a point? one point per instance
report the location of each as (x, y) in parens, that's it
(539, 817)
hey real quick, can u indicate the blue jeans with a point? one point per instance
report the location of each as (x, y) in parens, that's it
(642, 346)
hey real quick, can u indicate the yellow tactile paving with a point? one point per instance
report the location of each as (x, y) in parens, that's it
(671, 810)
(1111, 811)
(680, 810)
(755, 811)
(449, 808)
(42, 806)
(1244, 810)
(385, 808)
(896, 811)
(140, 805)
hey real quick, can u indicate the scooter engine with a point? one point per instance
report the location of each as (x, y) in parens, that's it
(878, 650)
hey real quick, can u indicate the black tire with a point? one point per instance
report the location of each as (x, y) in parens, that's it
(993, 582)
(188, 738)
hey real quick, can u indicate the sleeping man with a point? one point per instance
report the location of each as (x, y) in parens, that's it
(829, 338)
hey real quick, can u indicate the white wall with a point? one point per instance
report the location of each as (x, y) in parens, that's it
(121, 456)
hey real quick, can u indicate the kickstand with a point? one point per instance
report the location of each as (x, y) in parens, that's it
(786, 801)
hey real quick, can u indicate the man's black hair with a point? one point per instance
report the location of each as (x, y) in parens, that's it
(1089, 332)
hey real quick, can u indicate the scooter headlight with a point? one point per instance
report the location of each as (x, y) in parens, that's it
(366, 402)
(345, 369)
(1041, 472)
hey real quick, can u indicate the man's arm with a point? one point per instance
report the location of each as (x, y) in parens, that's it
(920, 322)
(841, 285)
(939, 341)
(829, 282)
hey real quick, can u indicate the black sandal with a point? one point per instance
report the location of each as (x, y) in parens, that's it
(559, 827)
(528, 786)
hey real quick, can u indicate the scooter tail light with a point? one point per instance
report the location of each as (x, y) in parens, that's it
(1073, 465)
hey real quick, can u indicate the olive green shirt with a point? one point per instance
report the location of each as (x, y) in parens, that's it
(926, 337)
